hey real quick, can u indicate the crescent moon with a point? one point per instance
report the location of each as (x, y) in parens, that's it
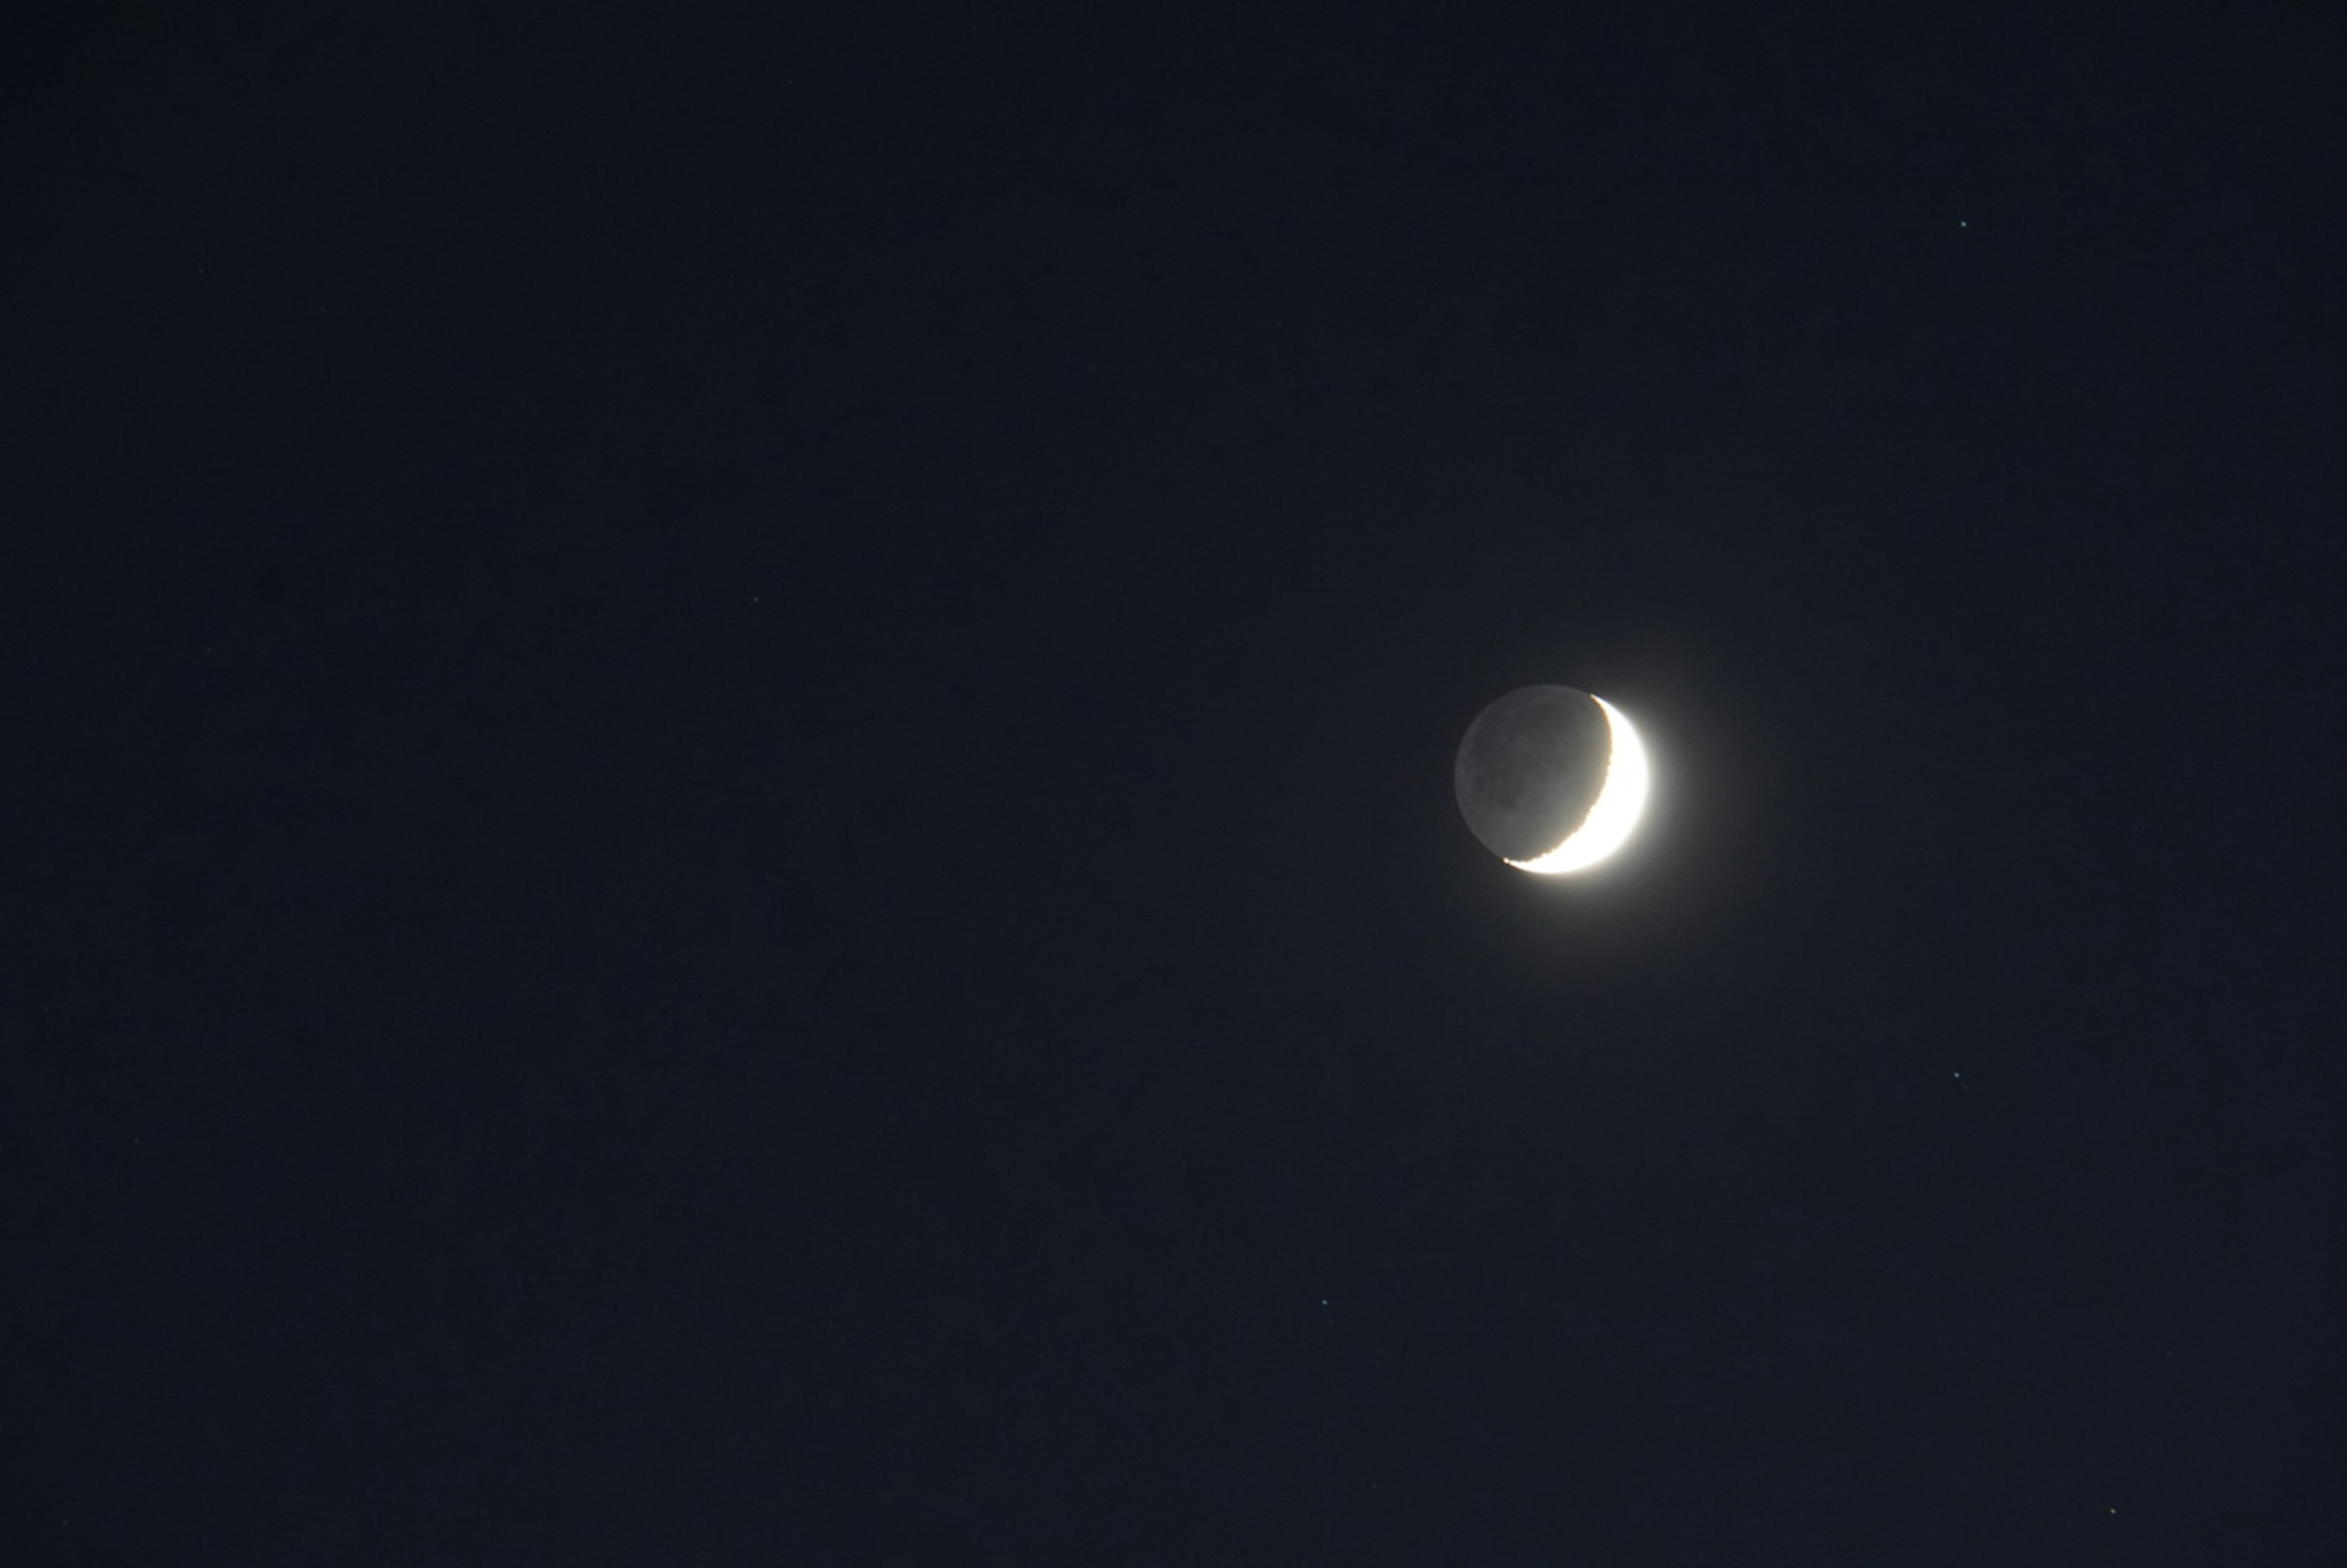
(1621, 801)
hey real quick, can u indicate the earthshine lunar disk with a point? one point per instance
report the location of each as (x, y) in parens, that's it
(1551, 780)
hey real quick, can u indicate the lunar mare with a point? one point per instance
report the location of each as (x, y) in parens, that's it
(1621, 801)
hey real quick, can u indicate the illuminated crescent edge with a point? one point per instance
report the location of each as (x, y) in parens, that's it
(1621, 800)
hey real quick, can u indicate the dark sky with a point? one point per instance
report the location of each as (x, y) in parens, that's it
(733, 736)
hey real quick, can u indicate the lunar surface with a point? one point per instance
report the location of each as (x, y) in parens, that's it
(1551, 779)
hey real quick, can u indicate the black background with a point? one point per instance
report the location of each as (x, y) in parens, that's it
(735, 734)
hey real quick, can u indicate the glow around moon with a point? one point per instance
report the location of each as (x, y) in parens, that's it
(1621, 801)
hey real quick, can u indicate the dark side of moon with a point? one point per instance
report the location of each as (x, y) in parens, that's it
(1532, 765)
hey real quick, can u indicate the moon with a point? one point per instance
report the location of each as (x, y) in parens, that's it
(1551, 780)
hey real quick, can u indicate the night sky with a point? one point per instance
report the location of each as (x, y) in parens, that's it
(732, 735)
